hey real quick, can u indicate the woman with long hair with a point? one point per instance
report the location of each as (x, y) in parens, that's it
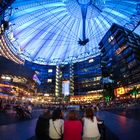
(56, 125)
(72, 127)
(90, 126)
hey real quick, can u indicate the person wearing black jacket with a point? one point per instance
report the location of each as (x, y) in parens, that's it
(42, 126)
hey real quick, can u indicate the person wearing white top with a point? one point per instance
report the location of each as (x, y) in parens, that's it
(56, 125)
(56, 128)
(90, 126)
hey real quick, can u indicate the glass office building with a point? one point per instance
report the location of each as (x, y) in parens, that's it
(120, 55)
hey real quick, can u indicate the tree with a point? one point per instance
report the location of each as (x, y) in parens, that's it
(108, 94)
(67, 98)
(134, 91)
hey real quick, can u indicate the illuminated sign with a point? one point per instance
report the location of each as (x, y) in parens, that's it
(66, 87)
(120, 91)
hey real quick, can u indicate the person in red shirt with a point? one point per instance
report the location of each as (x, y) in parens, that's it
(72, 127)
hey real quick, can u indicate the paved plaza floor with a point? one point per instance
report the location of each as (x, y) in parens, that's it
(118, 126)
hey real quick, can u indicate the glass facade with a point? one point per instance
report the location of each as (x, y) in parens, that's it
(84, 77)
(87, 76)
(120, 57)
(46, 77)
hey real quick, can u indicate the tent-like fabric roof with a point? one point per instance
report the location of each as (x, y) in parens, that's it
(64, 31)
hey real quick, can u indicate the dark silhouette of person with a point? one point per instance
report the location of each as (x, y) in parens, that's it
(42, 126)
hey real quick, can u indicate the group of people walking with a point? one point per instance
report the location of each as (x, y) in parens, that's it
(53, 126)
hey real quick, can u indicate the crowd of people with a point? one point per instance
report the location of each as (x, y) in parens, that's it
(22, 110)
(25, 107)
(56, 125)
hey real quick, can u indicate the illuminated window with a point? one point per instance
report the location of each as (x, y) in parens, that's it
(119, 50)
(90, 60)
(99, 77)
(7, 78)
(46, 94)
(49, 80)
(0, 30)
(50, 70)
(2, 27)
(111, 38)
(2, 77)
